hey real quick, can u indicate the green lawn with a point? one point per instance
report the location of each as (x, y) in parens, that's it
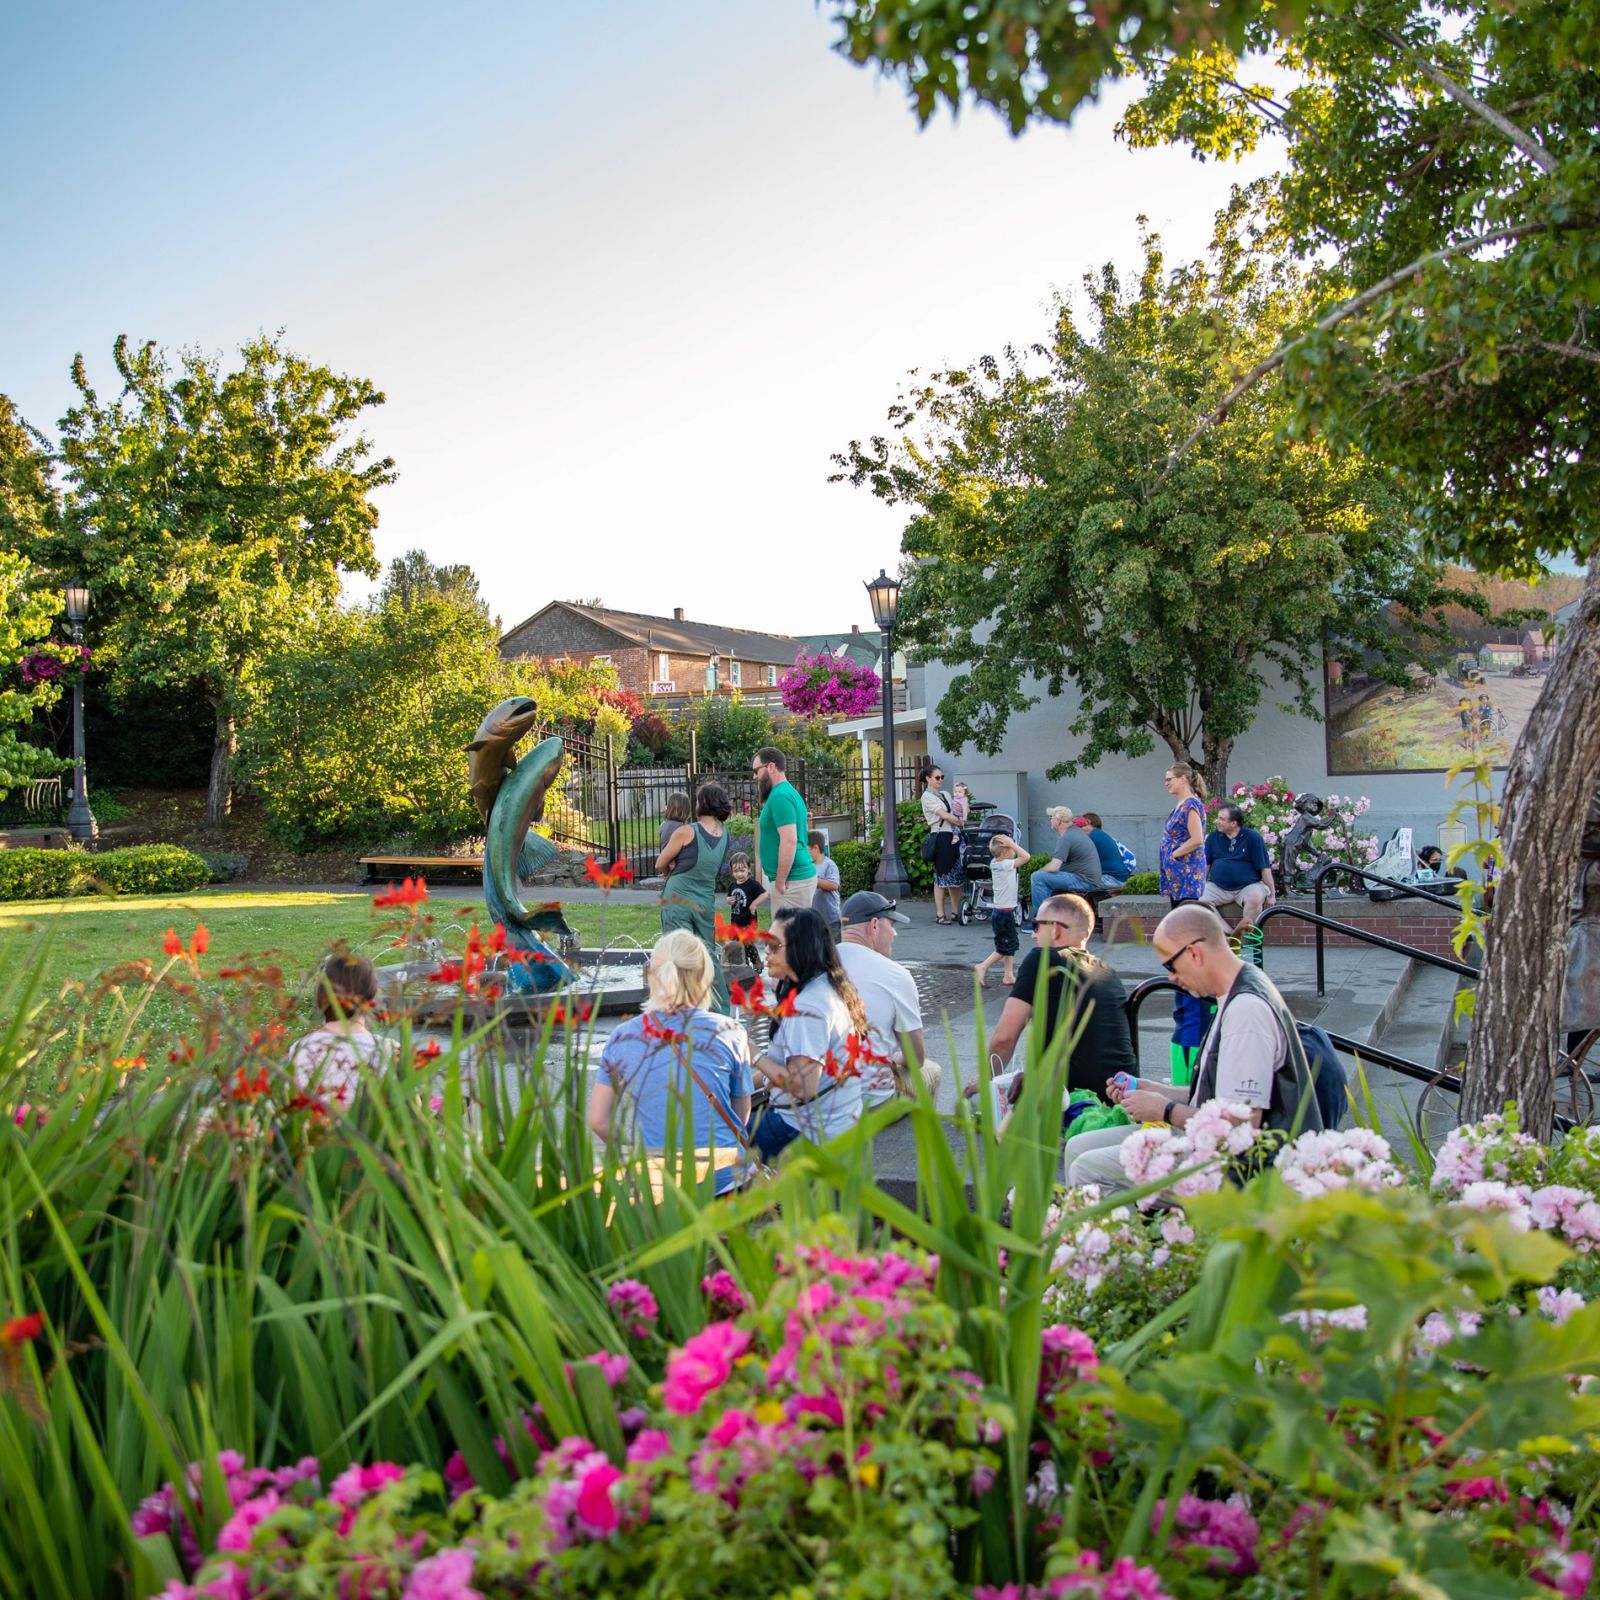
(67, 943)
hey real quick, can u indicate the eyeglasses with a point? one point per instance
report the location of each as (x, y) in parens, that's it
(1049, 922)
(1172, 960)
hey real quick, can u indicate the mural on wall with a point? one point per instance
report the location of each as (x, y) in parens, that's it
(1469, 701)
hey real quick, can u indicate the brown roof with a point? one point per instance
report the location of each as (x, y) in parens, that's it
(686, 638)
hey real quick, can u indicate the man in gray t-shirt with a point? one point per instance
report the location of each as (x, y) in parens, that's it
(1074, 868)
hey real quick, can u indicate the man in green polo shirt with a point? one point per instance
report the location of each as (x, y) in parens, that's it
(786, 866)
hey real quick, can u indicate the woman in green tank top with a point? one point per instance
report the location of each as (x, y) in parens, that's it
(691, 859)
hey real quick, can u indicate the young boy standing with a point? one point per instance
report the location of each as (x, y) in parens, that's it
(826, 903)
(1005, 856)
(743, 898)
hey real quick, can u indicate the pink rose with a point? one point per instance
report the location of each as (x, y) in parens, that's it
(445, 1576)
(703, 1364)
(597, 1510)
(650, 1446)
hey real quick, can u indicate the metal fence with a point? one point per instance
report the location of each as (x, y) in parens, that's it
(615, 811)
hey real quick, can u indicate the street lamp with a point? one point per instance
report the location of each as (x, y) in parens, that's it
(80, 819)
(891, 881)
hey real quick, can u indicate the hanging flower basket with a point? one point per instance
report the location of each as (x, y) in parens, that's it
(50, 663)
(830, 686)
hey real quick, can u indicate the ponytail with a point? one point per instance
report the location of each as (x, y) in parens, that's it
(1182, 769)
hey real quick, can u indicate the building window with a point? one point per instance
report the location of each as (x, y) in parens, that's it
(599, 661)
(772, 677)
(663, 665)
(735, 674)
(711, 676)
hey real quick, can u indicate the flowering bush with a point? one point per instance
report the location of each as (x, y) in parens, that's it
(1269, 809)
(830, 686)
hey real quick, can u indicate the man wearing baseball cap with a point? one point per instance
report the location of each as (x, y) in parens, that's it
(889, 993)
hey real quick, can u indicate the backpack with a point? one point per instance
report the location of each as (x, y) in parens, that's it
(1327, 1074)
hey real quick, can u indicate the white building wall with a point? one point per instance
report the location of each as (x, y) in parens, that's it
(1128, 794)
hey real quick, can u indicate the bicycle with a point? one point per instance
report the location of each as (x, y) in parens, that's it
(1439, 1105)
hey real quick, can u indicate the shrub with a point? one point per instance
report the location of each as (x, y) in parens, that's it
(148, 869)
(1269, 809)
(1025, 876)
(856, 861)
(30, 874)
(740, 826)
(910, 830)
(1143, 883)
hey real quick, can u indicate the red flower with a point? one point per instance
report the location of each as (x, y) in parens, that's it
(497, 939)
(412, 892)
(576, 1013)
(752, 999)
(21, 1330)
(618, 873)
(857, 1049)
(201, 941)
(249, 1088)
(449, 972)
(837, 1069)
(785, 1007)
(431, 1051)
(652, 1029)
(726, 930)
(172, 944)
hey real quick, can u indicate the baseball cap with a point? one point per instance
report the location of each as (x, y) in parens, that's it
(866, 904)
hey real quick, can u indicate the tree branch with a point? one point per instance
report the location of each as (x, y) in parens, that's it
(1576, 351)
(1339, 313)
(1520, 137)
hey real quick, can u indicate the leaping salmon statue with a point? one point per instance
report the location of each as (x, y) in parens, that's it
(510, 794)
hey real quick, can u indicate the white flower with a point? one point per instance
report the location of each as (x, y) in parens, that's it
(1491, 1195)
(1559, 1304)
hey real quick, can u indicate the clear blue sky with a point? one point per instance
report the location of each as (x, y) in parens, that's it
(627, 274)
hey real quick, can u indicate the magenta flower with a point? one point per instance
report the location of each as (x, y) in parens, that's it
(446, 1576)
(356, 1483)
(597, 1509)
(703, 1364)
(634, 1307)
(725, 1297)
(1224, 1531)
(651, 1445)
(1067, 1355)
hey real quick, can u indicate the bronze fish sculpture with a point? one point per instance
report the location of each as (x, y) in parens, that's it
(489, 756)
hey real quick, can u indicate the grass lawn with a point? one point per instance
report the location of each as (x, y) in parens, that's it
(71, 942)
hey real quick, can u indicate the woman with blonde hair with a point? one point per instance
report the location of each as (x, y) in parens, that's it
(1183, 840)
(677, 1054)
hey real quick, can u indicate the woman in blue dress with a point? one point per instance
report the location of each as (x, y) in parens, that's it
(1183, 840)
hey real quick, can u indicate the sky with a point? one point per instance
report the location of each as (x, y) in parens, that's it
(627, 275)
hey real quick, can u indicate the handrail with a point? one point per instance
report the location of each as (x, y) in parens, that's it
(1449, 1081)
(1328, 868)
(1360, 934)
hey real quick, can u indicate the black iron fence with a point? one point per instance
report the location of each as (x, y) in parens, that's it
(617, 811)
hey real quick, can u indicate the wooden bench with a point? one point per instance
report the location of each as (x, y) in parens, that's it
(381, 869)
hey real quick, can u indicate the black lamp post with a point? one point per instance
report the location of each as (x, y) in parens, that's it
(80, 819)
(891, 881)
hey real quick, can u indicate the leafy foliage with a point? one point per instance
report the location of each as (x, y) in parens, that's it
(1042, 556)
(857, 861)
(910, 830)
(358, 727)
(212, 513)
(29, 874)
(1143, 883)
(825, 685)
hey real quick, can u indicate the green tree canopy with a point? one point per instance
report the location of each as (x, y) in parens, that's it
(357, 728)
(414, 576)
(1038, 557)
(212, 513)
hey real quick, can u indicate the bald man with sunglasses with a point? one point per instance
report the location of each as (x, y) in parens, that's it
(1252, 1054)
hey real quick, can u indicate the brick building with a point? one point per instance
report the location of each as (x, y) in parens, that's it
(667, 658)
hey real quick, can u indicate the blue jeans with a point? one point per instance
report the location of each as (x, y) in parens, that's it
(1046, 884)
(772, 1134)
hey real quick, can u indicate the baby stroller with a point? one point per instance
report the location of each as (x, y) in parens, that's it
(983, 823)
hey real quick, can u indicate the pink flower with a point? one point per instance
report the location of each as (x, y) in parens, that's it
(1221, 1528)
(1066, 1355)
(238, 1529)
(446, 1576)
(730, 1425)
(703, 1364)
(651, 1445)
(725, 1296)
(458, 1476)
(634, 1306)
(1560, 1304)
(24, 1111)
(356, 1483)
(1567, 1572)
(597, 1509)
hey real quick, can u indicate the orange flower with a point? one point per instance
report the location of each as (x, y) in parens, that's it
(249, 1088)
(652, 1029)
(837, 1069)
(412, 892)
(576, 1013)
(431, 1050)
(726, 931)
(21, 1330)
(618, 873)
(172, 945)
(201, 941)
(752, 999)
(858, 1048)
(497, 939)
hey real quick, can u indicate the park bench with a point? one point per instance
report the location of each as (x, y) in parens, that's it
(381, 869)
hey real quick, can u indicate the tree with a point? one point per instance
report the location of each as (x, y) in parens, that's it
(1037, 554)
(212, 513)
(413, 575)
(357, 728)
(1442, 170)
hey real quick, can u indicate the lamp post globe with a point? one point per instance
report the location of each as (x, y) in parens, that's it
(80, 819)
(890, 881)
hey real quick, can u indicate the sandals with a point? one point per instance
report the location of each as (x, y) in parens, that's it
(944, 922)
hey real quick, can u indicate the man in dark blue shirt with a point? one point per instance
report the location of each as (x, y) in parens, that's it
(1113, 866)
(1238, 869)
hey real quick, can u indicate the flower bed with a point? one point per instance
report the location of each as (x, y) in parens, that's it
(1269, 809)
(251, 1345)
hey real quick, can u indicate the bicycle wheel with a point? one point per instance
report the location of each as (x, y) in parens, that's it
(1574, 1085)
(1438, 1112)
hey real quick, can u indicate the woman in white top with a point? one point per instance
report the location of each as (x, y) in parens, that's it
(816, 1088)
(327, 1063)
(946, 834)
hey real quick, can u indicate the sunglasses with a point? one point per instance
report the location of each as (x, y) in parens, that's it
(1048, 922)
(1172, 960)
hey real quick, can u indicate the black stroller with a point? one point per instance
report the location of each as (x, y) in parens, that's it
(982, 824)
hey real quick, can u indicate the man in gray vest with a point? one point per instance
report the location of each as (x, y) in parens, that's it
(1252, 1055)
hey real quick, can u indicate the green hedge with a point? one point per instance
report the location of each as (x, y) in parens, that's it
(1025, 877)
(138, 869)
(857, 861)
(1143, 883)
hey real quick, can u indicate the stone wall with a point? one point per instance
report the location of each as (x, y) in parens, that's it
(1127, 918)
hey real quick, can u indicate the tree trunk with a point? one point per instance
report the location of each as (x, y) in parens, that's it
(219, 794)
(1216, 767)
(1553, 772)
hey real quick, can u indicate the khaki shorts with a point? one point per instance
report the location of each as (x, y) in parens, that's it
(1252, 899)
(800, 893)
